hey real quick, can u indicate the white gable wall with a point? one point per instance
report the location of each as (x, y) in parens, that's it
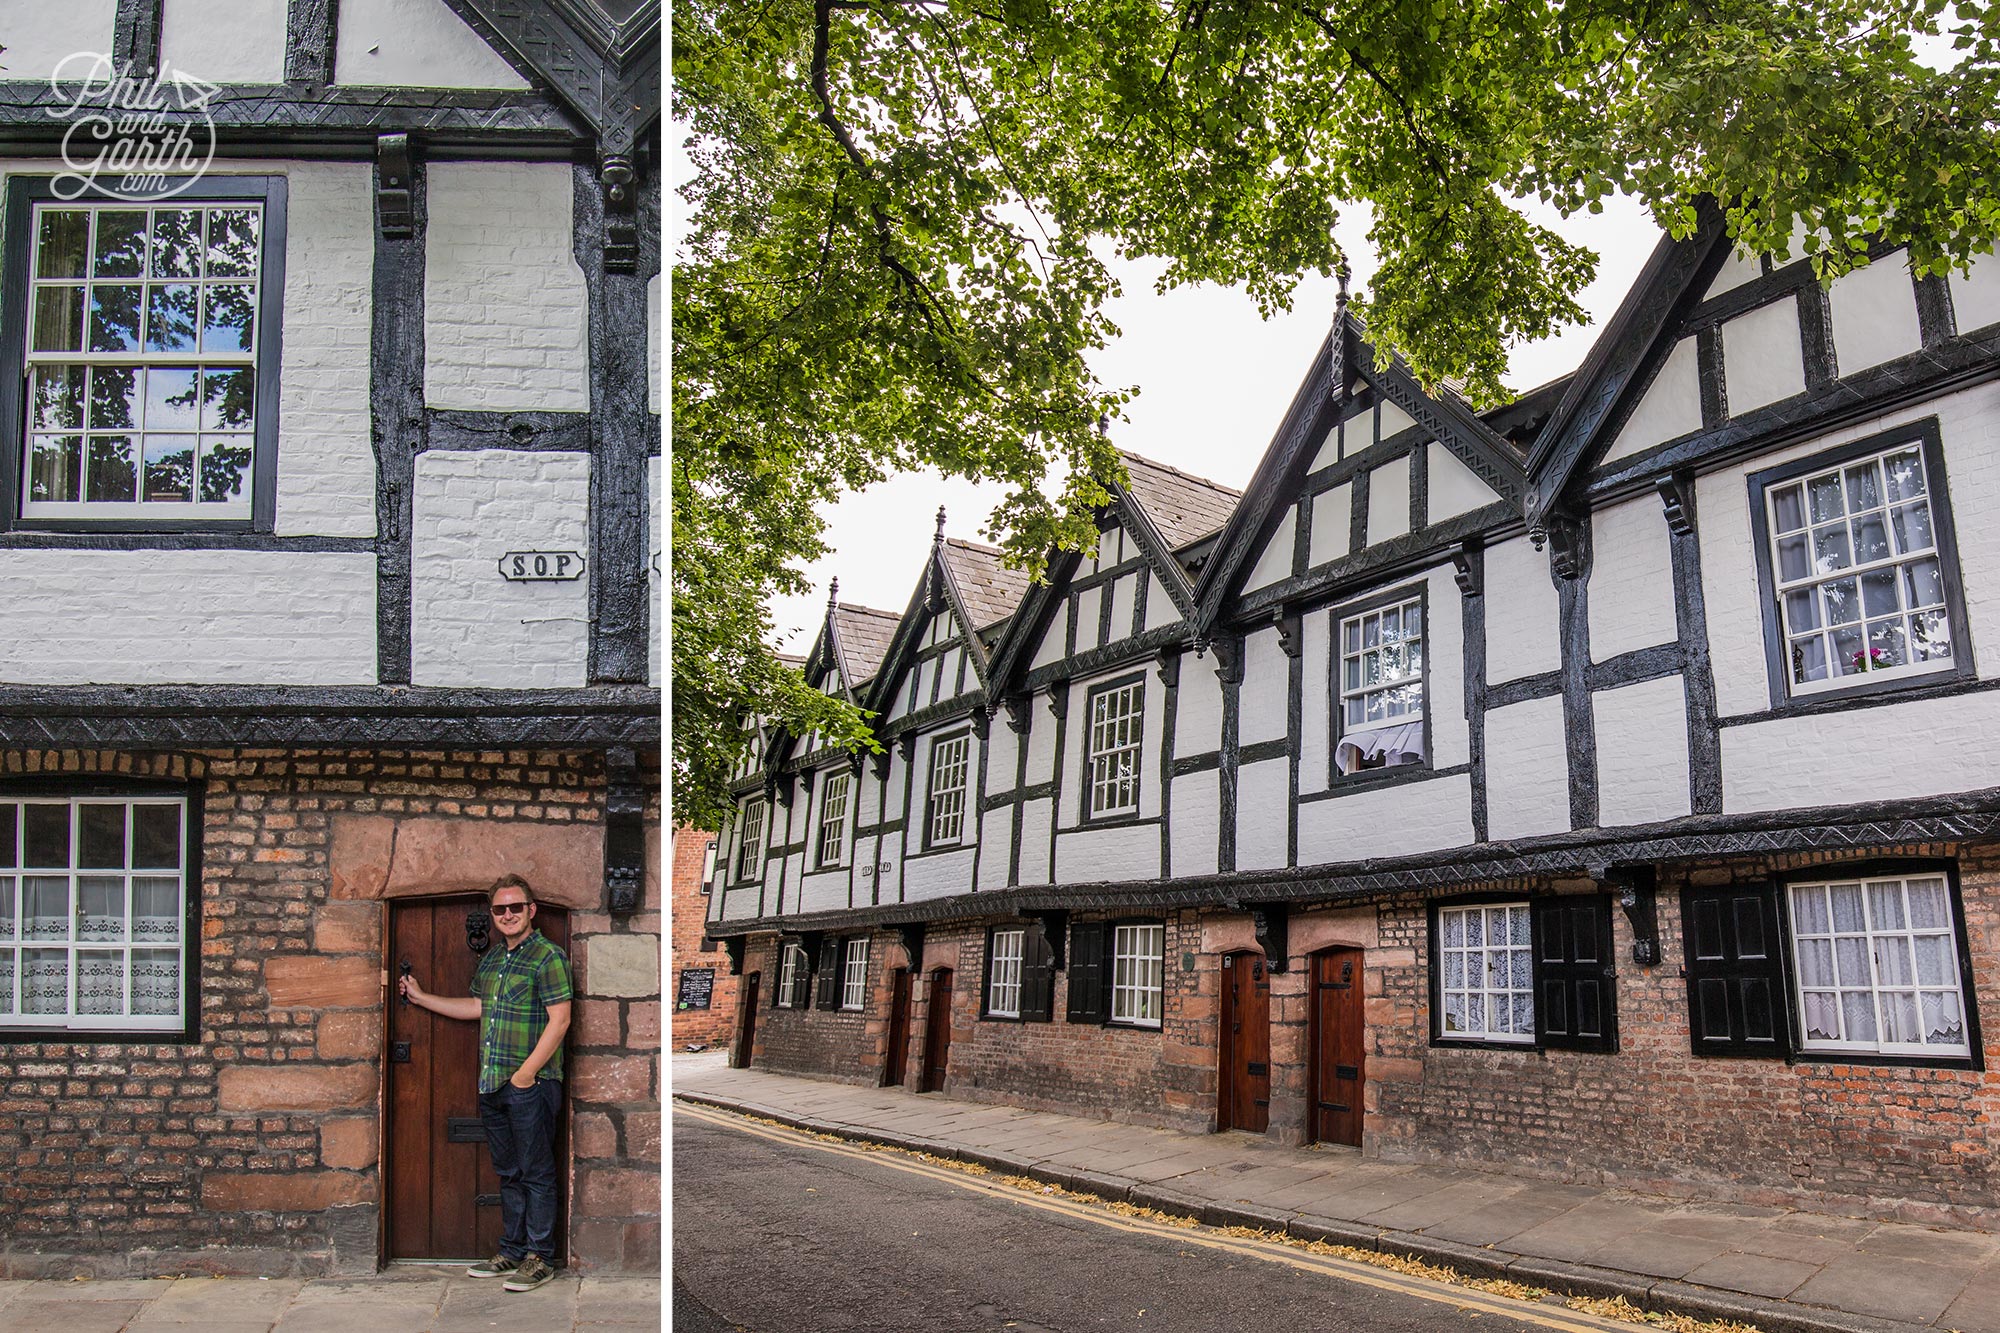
(1332, 525)
(1275, 564)
(1874, 314)
(224, 41)
(1454, 488)
(1670, 408)
(40, 37)
(1736, 270)
(414, 44)
(1975, 295)
(1631, 579)
(1761, 357)
(1263, 698)
(1160, 608)
(1522, 631)
(1389, 501)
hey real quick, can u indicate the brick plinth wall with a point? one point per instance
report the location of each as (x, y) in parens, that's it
(1891, 1141)
(258, 1148)
(688, 908)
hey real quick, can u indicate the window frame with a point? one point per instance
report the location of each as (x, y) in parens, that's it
(1926, 437)
(82, 787)
(838, 824)
(1877, 868)
(853, 975)
(1338, 615)
(932, 839)
(1532, 1039)
(1091, 814)
(988, 1009)
(1112, 987)
(16, 267)
(791, 952)
(743, 873)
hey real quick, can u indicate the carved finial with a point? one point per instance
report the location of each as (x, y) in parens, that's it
(940, 526)
(832, 596)
(1341, 273)
(1104, 423)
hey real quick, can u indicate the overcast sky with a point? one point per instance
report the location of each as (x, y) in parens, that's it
(1214, 380)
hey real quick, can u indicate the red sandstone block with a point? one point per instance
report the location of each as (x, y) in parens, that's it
(284, 1192)
(642, 1136)
(593, 1135)
(348, 1035)
(616, 1192)
(642, 1023)
(347, 927)
(295, 1087)
(612, 1079)
(597, 1023)
(348, 1141)
(597, 1245)
(308, 982)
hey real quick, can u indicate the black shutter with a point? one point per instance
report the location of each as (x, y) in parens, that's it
(829, 974)
(1089, 987)
(986, 974)
(1038, 975)
(1576, 1004)
(1736, 980)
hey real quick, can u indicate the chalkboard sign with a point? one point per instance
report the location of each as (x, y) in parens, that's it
(697, 986)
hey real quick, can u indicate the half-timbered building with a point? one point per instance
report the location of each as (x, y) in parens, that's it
(328, 442)
(1601, 785)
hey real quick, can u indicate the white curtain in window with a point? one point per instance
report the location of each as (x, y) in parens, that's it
(1399, 743)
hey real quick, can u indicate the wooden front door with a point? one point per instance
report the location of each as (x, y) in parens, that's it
(444, 1198)
(937, 1032)
(1339, 1070)
(896, 1060)
(746, 1031)
(1246, 1042)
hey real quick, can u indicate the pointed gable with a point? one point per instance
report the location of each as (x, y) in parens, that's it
(987, 588)
(861, 640)
(1183, 507)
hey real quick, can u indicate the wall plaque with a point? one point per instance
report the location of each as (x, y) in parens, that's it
(541, 566)
(697, 987)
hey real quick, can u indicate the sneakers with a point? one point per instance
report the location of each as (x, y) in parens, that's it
(532, 1272)
(498, 1266)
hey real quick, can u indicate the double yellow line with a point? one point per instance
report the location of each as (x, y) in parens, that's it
(1346, 1270)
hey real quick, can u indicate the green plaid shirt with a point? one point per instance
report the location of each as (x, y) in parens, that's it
(515, 988)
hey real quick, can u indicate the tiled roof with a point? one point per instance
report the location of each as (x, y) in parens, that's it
(1184, 508)
(864, 635)
(990, 589)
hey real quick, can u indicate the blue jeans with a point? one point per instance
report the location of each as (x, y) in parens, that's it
(521, 1135)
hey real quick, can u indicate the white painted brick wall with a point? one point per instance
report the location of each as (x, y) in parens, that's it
(1527, 770)
(505, 306)
(1969, 424)
(1387, 821)
(1975, 296)
(1121, 853)
(1642, 753)
(224, 41)
(1332, 525)
(1198, 710)
(656, 564)
(1899, 751)
(1262, 814)
(1264, 698)
(1389, 501)
(39, 37)
(937, 876)
(468, 626)
(326, 462)
(1522, 632)
(1454, 488)
(1451, 742)
(414, 44)
(1196, 827)
(1002, 748)
(1670, 408)
(1631, 579)
(1035, 842)
(1076, 751)
(996, 840)
(822, 892)
(1315, 701)
(653, 343)
(1761, 359)
(187, 617)
(1275, 563)
(1041, 738)
(1874, 314)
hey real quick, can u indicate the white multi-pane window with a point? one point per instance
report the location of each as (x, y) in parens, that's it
(141, 360)
(1138, 973)
(791, 963)
(93, 900)
(1486, 977)
(833, 820)
(1382, 687)
(1115, 717)
(949, 761)
(1003, 974)
(750, 843)
(1878, 966)
(854, 974)
(1860, 586)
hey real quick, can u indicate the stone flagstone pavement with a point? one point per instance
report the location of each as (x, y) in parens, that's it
(1785, 1270)
(402, 1299)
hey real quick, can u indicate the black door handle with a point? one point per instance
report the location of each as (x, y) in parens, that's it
(407, 969)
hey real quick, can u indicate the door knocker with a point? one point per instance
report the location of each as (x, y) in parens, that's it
(477, 923)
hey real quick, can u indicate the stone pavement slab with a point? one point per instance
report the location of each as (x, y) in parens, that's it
(1784, 1269)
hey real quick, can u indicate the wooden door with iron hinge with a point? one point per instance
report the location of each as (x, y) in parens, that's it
(443, 1195)
(1245, 1102)
(1339, 1071)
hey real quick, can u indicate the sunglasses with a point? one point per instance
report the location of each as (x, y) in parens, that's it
(508, 909)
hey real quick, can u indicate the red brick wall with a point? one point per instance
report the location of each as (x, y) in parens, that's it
(842, 1045)
(713, 1026)
(258, 1149)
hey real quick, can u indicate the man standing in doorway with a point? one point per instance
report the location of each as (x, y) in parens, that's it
(521, 996)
